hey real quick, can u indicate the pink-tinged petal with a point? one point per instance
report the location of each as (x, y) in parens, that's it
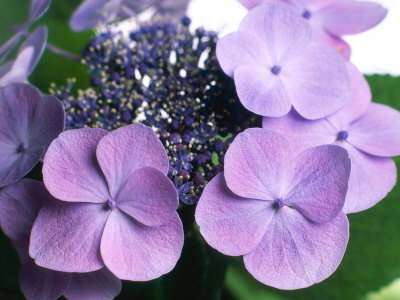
(66, 236)
(358, 102)
(302, 133)
(149, 197)
(127, 149)
(257, 164)
(296, 253)
(19, 205)
(98, 285)
(336, 43)
(316, 81)
(377, 132)
(241, 48)
(282, 30)
(17, 156)
(249, 4)
(231, 224)
(351, 17)
(42, 284)
(319, 184)
(70, 169)
(136, 252)
(371, 179)
(261, 92)
(38, 8)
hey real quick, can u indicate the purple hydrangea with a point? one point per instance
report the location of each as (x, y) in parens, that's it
(368, 131)
(28, 56)
(276, 64)
(28, 124)
(330, 19)
(118, 207)
(92, 12)
(279, 208)
(19, 205)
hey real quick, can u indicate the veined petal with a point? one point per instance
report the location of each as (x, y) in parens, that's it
(229, 223)
(139, 253)
(296, 253)
(70, 169)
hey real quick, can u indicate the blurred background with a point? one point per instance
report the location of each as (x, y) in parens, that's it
(371, 266)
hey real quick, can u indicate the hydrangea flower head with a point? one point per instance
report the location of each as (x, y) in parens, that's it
(19, 205)
(92, 12)
(278, 208)
(276, 64)
(368, 131)
(330, 19)
(118, 208)
(28, 124)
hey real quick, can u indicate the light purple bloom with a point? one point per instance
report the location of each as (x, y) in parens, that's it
(276, 64)
(279, 208)
(370, 132)
(331, 19)
(118, 207)
(19, 205)
(28, 124)
(28, 56)
(92, 12)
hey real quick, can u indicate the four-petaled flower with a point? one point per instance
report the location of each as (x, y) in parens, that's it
(278, 208)
(276, 64)
(28, 124)
(118, 208)
(368, 131)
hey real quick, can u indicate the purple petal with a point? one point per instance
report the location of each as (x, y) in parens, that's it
(174, 8)
(296, 253)
(351, 17)
(127, 149)
(371, 179)
(139, 253)
(98, 285)
(302, 133)
(319, 184)
(42, 284)
(38, 8)
(149, 197)
(92, 12)
(317, 82)
(280, 29)
(231, 224)
(66, 236)
(358, 102)
(70, 169)
(257, 164)
(261, 92)
(36, 40)
(21, 113)
(19, 205)
(249, 4)
(377, 131)
(7, 46)
(241, 48)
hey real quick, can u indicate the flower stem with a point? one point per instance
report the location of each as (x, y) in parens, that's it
(62, 52)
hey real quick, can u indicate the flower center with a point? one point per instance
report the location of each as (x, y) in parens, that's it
(343, 135)
(306, 14)
(111, 204)
(278, 204)
(21, 148)
(276, 70)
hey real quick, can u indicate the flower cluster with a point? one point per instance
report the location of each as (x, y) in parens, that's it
(163, 122)
(169, 79)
